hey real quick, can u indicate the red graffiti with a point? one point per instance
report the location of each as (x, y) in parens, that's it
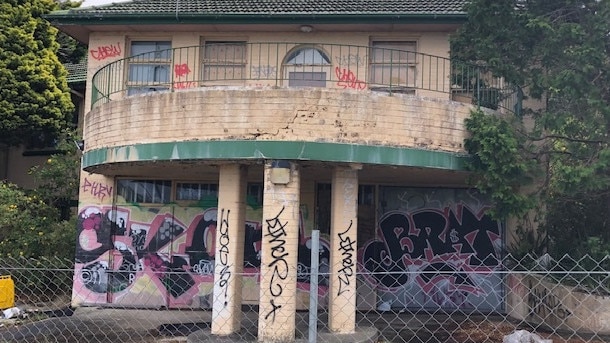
(106, 51)
(185, 84)
(181, 69)
(347, 79)
(97, 189)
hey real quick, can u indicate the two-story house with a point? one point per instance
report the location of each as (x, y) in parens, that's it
(221, 133)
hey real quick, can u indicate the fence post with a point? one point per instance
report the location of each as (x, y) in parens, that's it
(313, 286)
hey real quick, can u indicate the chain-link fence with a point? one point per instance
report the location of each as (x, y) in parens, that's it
(562, 299)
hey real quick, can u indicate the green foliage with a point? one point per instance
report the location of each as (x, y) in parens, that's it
(30, 227)
(57, 180)
(557, 53)
(70, 50)
(35, 100)
(500, 168)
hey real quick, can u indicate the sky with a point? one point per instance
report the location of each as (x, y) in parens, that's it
(89, 3)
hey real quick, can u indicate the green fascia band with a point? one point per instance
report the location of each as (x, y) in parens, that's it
(287, 150)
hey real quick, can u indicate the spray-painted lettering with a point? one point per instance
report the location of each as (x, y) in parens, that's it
(347, 79)
(350, 60)
(225, 271)
(264, 72)
(106, 51)
(181, 70)
(346, 247)
(279, 266)
(184, 84)
(439, 248)
(543, 303)
(97, 189)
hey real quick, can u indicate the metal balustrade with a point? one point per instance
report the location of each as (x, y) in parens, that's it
(268, 64)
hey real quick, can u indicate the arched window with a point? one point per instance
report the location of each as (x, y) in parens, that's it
(306, 66)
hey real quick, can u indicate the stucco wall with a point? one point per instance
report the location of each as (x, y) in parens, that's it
(279, 114)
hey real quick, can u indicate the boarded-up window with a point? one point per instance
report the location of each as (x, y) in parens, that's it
(224, 61)
(393, 63)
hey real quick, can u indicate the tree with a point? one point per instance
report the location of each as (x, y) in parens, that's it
(35, 104)
(70, 50)
(557, 54)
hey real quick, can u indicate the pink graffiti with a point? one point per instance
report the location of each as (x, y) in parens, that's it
(181, 69)
(106, 51)
(97, 189)
(347, 79)
(184, 84)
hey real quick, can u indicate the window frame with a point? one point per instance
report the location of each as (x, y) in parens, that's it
(133, 198)
(135, 86)
(233, 64)
(410, 64)
(305, 68)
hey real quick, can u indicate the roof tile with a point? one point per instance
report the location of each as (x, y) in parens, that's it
(278, 7)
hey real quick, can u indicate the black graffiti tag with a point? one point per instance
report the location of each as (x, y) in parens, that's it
(346, 247)
(543, 303)
(277, 233)
(225, 271)
(274, 308)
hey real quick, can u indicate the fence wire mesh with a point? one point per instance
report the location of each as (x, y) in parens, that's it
(562, 299)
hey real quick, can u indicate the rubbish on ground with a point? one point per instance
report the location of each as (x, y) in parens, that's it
(524, 336)
(13, 312)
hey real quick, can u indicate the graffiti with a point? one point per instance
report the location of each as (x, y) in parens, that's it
(346, 248)
(225, 272)
(279, 265)
(97, 189)
(437, 250)
(95, 277)
(138, 236)
(117, 254)
(106, 51)
(204, 267)
(181, 70)
(185, 84)
(543, 303)
(347, 79)
(350, 60)
(274, 308)
(264, 72)
(445, 297)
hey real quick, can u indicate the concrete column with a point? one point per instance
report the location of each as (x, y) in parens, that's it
(229, 261)
(343, 234)
(278, 278)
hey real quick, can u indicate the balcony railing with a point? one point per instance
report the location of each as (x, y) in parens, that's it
(302, 65)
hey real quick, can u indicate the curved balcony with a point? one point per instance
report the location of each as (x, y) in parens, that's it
(302, 65)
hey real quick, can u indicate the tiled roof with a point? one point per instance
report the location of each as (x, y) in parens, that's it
(277, 7)
(77, 72)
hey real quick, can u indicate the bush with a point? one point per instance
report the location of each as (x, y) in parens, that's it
(30, 227)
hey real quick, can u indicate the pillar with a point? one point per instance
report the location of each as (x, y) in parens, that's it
(343, 234)
(228, 265)
(278, 273)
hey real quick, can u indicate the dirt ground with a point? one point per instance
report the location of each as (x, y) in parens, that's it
(494, 332)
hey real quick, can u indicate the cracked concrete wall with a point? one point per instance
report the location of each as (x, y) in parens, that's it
(313, 114)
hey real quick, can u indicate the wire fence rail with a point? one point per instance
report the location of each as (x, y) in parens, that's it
(562, 299)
